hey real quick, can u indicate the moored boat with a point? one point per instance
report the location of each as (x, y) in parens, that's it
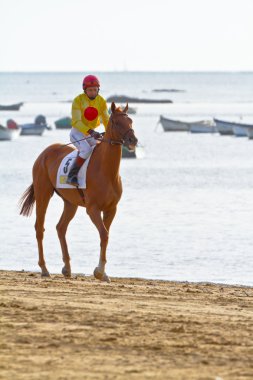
(239, 131)
(11, 107)
(63, 123)
(170, 125)
(224, 127)
(32, 129)
(232, 128)
(7, 133)
(36, 128)
(203, 126)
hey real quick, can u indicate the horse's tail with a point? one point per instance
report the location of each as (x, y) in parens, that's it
(27, 201)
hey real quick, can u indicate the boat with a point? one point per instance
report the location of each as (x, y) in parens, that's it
(32, 129)
(170, 125)
(7, 133)
(232, 128)
(203, 126)
(126, 153)
(12, 107)
(249, 130)
(63, 123)
(239, 131)
(224, 127)
(36, 128)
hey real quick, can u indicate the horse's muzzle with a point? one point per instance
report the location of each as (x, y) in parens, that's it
(131, 142)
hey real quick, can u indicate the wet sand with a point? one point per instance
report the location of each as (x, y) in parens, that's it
(128, 329)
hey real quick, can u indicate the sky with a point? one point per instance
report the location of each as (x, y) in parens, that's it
(133, 35)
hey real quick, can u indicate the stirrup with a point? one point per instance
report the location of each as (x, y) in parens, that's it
(72, 181)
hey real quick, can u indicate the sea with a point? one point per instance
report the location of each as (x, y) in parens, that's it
(186, 213)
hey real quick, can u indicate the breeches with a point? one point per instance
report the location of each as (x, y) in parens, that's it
(85, 146)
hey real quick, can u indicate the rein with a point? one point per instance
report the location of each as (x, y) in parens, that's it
(102, 139)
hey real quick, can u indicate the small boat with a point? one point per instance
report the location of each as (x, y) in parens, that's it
(7, 133)
(12, 107)
(203, 126)
(36, 128)
(32, 129)
(170, 125)
(128, 153)
(232, 128)
(239, 131)
(224, 127)
(63, 123)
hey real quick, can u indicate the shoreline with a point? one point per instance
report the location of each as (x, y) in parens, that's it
(129, 329)
(90, 276)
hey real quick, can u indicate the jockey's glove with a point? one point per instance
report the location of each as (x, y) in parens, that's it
(94, 134)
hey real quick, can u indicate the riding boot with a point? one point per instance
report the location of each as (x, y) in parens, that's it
(73, 173)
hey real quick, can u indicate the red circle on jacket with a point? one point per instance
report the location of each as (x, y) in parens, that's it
(90, 113)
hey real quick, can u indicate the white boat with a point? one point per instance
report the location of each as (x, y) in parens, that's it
(170, 125)
(232, 128)
(224, 127)
(32, 129)
(239, 131)
(8, 134)
(203, 126)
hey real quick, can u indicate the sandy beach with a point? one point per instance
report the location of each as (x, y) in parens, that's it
(128, 329)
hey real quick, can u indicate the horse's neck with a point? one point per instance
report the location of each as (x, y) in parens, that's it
(110, 157)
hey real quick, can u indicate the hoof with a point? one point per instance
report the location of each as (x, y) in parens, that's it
(45, 274)
(101, 276)
(66, 272)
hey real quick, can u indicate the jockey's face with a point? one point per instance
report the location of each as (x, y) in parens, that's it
(91, 92)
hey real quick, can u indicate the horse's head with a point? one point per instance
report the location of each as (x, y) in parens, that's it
(120, 126)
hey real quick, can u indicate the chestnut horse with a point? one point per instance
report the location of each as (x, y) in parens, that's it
(100, 197)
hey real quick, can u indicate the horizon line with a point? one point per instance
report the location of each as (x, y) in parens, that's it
(120, 71)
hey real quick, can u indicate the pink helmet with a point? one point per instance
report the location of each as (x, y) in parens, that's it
(90, 81)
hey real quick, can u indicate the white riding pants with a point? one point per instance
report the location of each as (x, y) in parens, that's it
(85, 146)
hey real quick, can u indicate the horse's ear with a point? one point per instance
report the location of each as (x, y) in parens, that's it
(126, 108)
(113, 107)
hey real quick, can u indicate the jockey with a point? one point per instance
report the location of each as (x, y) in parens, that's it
(87, 109)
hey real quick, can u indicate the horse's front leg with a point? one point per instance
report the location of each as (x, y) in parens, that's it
(95, 216)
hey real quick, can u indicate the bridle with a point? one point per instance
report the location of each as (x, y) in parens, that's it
(123, 136)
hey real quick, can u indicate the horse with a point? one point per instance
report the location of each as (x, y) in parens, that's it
(100, 198)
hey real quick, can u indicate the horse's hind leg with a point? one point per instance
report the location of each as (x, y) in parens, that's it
(67, 215)
(42, 193)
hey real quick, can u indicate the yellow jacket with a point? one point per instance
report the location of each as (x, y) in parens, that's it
(86, 113)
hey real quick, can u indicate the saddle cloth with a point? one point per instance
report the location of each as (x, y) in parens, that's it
(64, 169)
